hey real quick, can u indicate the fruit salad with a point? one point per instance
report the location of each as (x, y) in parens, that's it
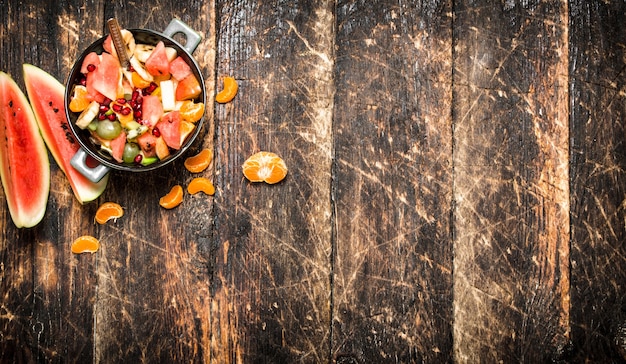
(140, 114)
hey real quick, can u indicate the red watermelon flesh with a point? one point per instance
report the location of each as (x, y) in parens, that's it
(107, 77)
(91, 58)
(169, 127)
(24, 164)
(117, 147)
(47, 100)
(157, 63)
(179, 69)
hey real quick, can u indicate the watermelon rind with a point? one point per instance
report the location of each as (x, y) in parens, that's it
(46, 96)
(24, 163)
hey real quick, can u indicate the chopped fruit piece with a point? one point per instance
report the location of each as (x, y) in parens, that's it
(85, 244)
(173, 198)
(108, 211)
(229, 91)
(199, 162)
(201, 184)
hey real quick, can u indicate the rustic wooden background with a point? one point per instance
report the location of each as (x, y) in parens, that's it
(456, 191)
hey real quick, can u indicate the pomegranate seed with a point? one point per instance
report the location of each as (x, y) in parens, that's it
(125, 111)
(101, 116)
(83, 82)
(106, 101)
(156, 132)
(104, 108)
(134, 95)
(112, 117)
(137, 114)
(131, 68)
(117, 107)
(121, 100)
(91, 67)
(152, 87)
(139, 100)
(138, 158)
(133, 104)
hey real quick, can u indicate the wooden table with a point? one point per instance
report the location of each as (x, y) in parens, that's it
(456, 191)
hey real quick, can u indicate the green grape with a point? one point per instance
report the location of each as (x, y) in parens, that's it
(130, 152)
(108, 129)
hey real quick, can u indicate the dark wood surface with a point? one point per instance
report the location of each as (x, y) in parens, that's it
(456, 191)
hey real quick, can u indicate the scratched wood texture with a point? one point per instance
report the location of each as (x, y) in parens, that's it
(456, 191)
(393, 191)
(511, 185)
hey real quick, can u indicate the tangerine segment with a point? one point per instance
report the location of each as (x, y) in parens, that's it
(85, 244)
(200, 161)
(191, 111)
(201, 184)
(229, 91)
(108, 211)
(80, 101)
(265, 167)
(173, 198)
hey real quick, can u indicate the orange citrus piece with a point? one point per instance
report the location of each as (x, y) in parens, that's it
(85, 244)
(199, 162)
(80, 100)
(173, 198)
(186, 128)
(138, 81)
(191, 111)
(201, 184)
(265, 167)
(229, 91)
(108, 211)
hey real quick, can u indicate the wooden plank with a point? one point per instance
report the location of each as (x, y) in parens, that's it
(598, 84)
(392, 294)
(18, 342)
(154, 265)
(511, 261)
(57, 323)
(271, 282)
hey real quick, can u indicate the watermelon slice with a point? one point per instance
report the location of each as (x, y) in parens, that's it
(107, 77)
(169, 127)
(24, 164)
(117, 147)
(158, 64)
(179, 69)
(46, 96)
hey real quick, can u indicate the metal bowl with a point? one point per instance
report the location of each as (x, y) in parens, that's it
(88, 147)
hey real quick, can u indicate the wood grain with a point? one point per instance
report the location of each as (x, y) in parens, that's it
(455, 191)
(511, 250)
(272, 275)
(392, 282)
(598, 164)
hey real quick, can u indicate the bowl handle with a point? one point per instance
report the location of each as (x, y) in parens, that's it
(177, 26)
(95, 174)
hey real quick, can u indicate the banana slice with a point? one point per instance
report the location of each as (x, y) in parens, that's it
(140, 69)
(142, 52)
